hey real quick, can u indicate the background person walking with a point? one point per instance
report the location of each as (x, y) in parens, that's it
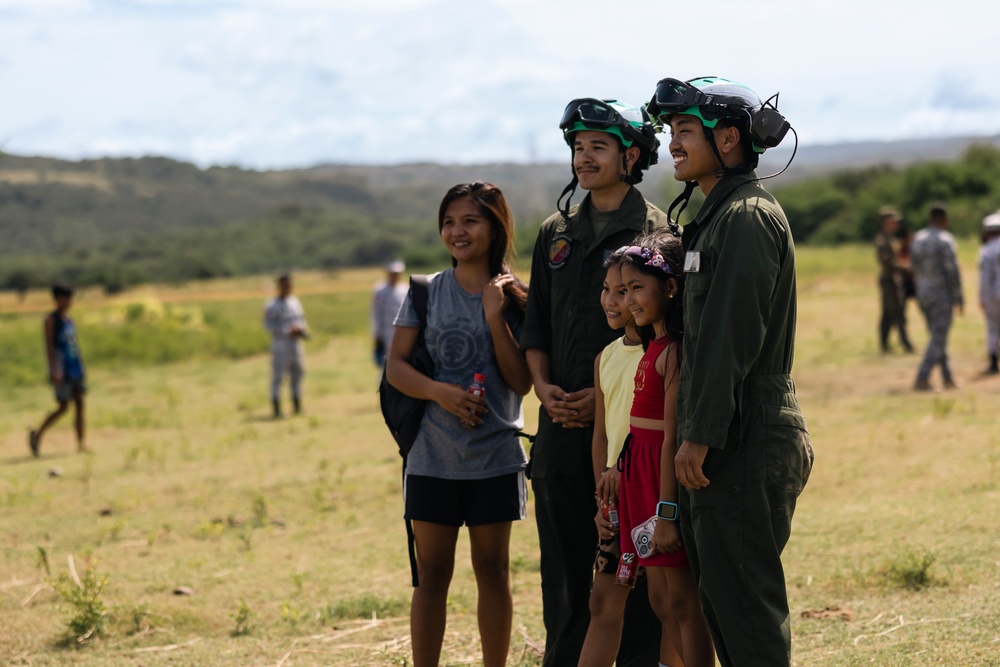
(65, 368)
(285, 319)
(934, 261)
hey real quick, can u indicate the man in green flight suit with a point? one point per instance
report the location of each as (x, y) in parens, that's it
(745, 453)
(564, 330)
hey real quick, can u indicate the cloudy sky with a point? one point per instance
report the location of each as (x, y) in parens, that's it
(281, 83)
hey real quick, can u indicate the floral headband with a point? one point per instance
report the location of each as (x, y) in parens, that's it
(652, 257)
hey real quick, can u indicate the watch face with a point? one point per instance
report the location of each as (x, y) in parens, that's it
(665, 511)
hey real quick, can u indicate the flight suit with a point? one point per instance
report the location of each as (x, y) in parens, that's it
(737, 397)
(934, 260)
(564, 319)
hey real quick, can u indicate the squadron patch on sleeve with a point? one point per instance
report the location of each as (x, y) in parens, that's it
(559, 251)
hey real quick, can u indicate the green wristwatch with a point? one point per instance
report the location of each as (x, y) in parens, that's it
(666, 510)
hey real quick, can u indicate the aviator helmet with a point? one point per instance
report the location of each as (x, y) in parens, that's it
(713, 100)
(631, 125)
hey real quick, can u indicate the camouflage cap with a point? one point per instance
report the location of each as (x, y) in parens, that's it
(889, 211)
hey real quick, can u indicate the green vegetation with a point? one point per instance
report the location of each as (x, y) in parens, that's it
(116, 223)
(122, 222)
(843, 206)
(243, 618)
(912, 571)
(88, 616)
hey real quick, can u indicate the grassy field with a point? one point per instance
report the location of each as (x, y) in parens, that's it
(287, 533)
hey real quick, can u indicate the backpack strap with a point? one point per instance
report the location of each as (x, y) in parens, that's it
(418, 297)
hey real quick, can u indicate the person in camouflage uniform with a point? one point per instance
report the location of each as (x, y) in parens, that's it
(890, 280)
(934, 261)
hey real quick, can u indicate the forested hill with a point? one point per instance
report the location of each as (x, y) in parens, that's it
(54, 205)
(121, 221)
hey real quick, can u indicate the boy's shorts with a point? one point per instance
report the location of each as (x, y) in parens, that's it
(472, 502)
(609, 552)
(66, 389)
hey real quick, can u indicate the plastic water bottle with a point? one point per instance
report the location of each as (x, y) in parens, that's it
(478, 386)
(610, 512)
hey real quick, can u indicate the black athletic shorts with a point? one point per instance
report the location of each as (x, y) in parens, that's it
(472, 502)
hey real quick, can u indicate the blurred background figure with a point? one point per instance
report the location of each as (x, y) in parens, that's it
(286, 322)
(386, 300)
(939, 291)
(65, 368)
(989, 287)
(893, 256)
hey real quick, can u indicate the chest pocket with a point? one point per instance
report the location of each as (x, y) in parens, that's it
(696, 286)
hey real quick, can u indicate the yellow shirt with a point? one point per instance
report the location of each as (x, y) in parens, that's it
(617, 369)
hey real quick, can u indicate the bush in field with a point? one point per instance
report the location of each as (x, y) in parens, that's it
(83, 595)
(141, 332)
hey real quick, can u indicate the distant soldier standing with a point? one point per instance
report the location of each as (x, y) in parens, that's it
(989, 287)
(286, 322)
(890, 280)
(939, 291)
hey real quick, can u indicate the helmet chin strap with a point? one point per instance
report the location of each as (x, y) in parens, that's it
(682, 201)
(569, 189)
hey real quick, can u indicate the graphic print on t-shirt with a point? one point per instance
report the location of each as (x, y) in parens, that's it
(461, 346)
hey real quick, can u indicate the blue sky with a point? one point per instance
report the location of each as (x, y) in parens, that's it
(284, 83)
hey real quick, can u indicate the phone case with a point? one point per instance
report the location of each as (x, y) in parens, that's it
(642, 537)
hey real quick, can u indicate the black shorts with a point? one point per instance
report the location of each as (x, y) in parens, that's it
(472, 502)
(67, 390)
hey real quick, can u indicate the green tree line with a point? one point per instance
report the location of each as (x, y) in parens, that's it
(158, 220)
(843, 206)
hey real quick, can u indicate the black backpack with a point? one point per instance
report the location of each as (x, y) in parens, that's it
(402, 413)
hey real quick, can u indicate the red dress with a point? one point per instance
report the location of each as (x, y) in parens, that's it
(640, 468)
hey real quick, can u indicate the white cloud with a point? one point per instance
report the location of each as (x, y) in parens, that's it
(305, 81)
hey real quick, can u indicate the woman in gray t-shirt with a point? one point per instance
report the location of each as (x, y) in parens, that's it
(467, 464)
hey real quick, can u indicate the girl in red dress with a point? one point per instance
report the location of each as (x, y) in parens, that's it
(654, 280)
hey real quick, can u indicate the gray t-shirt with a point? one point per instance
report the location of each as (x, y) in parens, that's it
(459, 342)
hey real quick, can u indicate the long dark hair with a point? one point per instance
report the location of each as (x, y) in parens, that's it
(493, 206)
(668, 245)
